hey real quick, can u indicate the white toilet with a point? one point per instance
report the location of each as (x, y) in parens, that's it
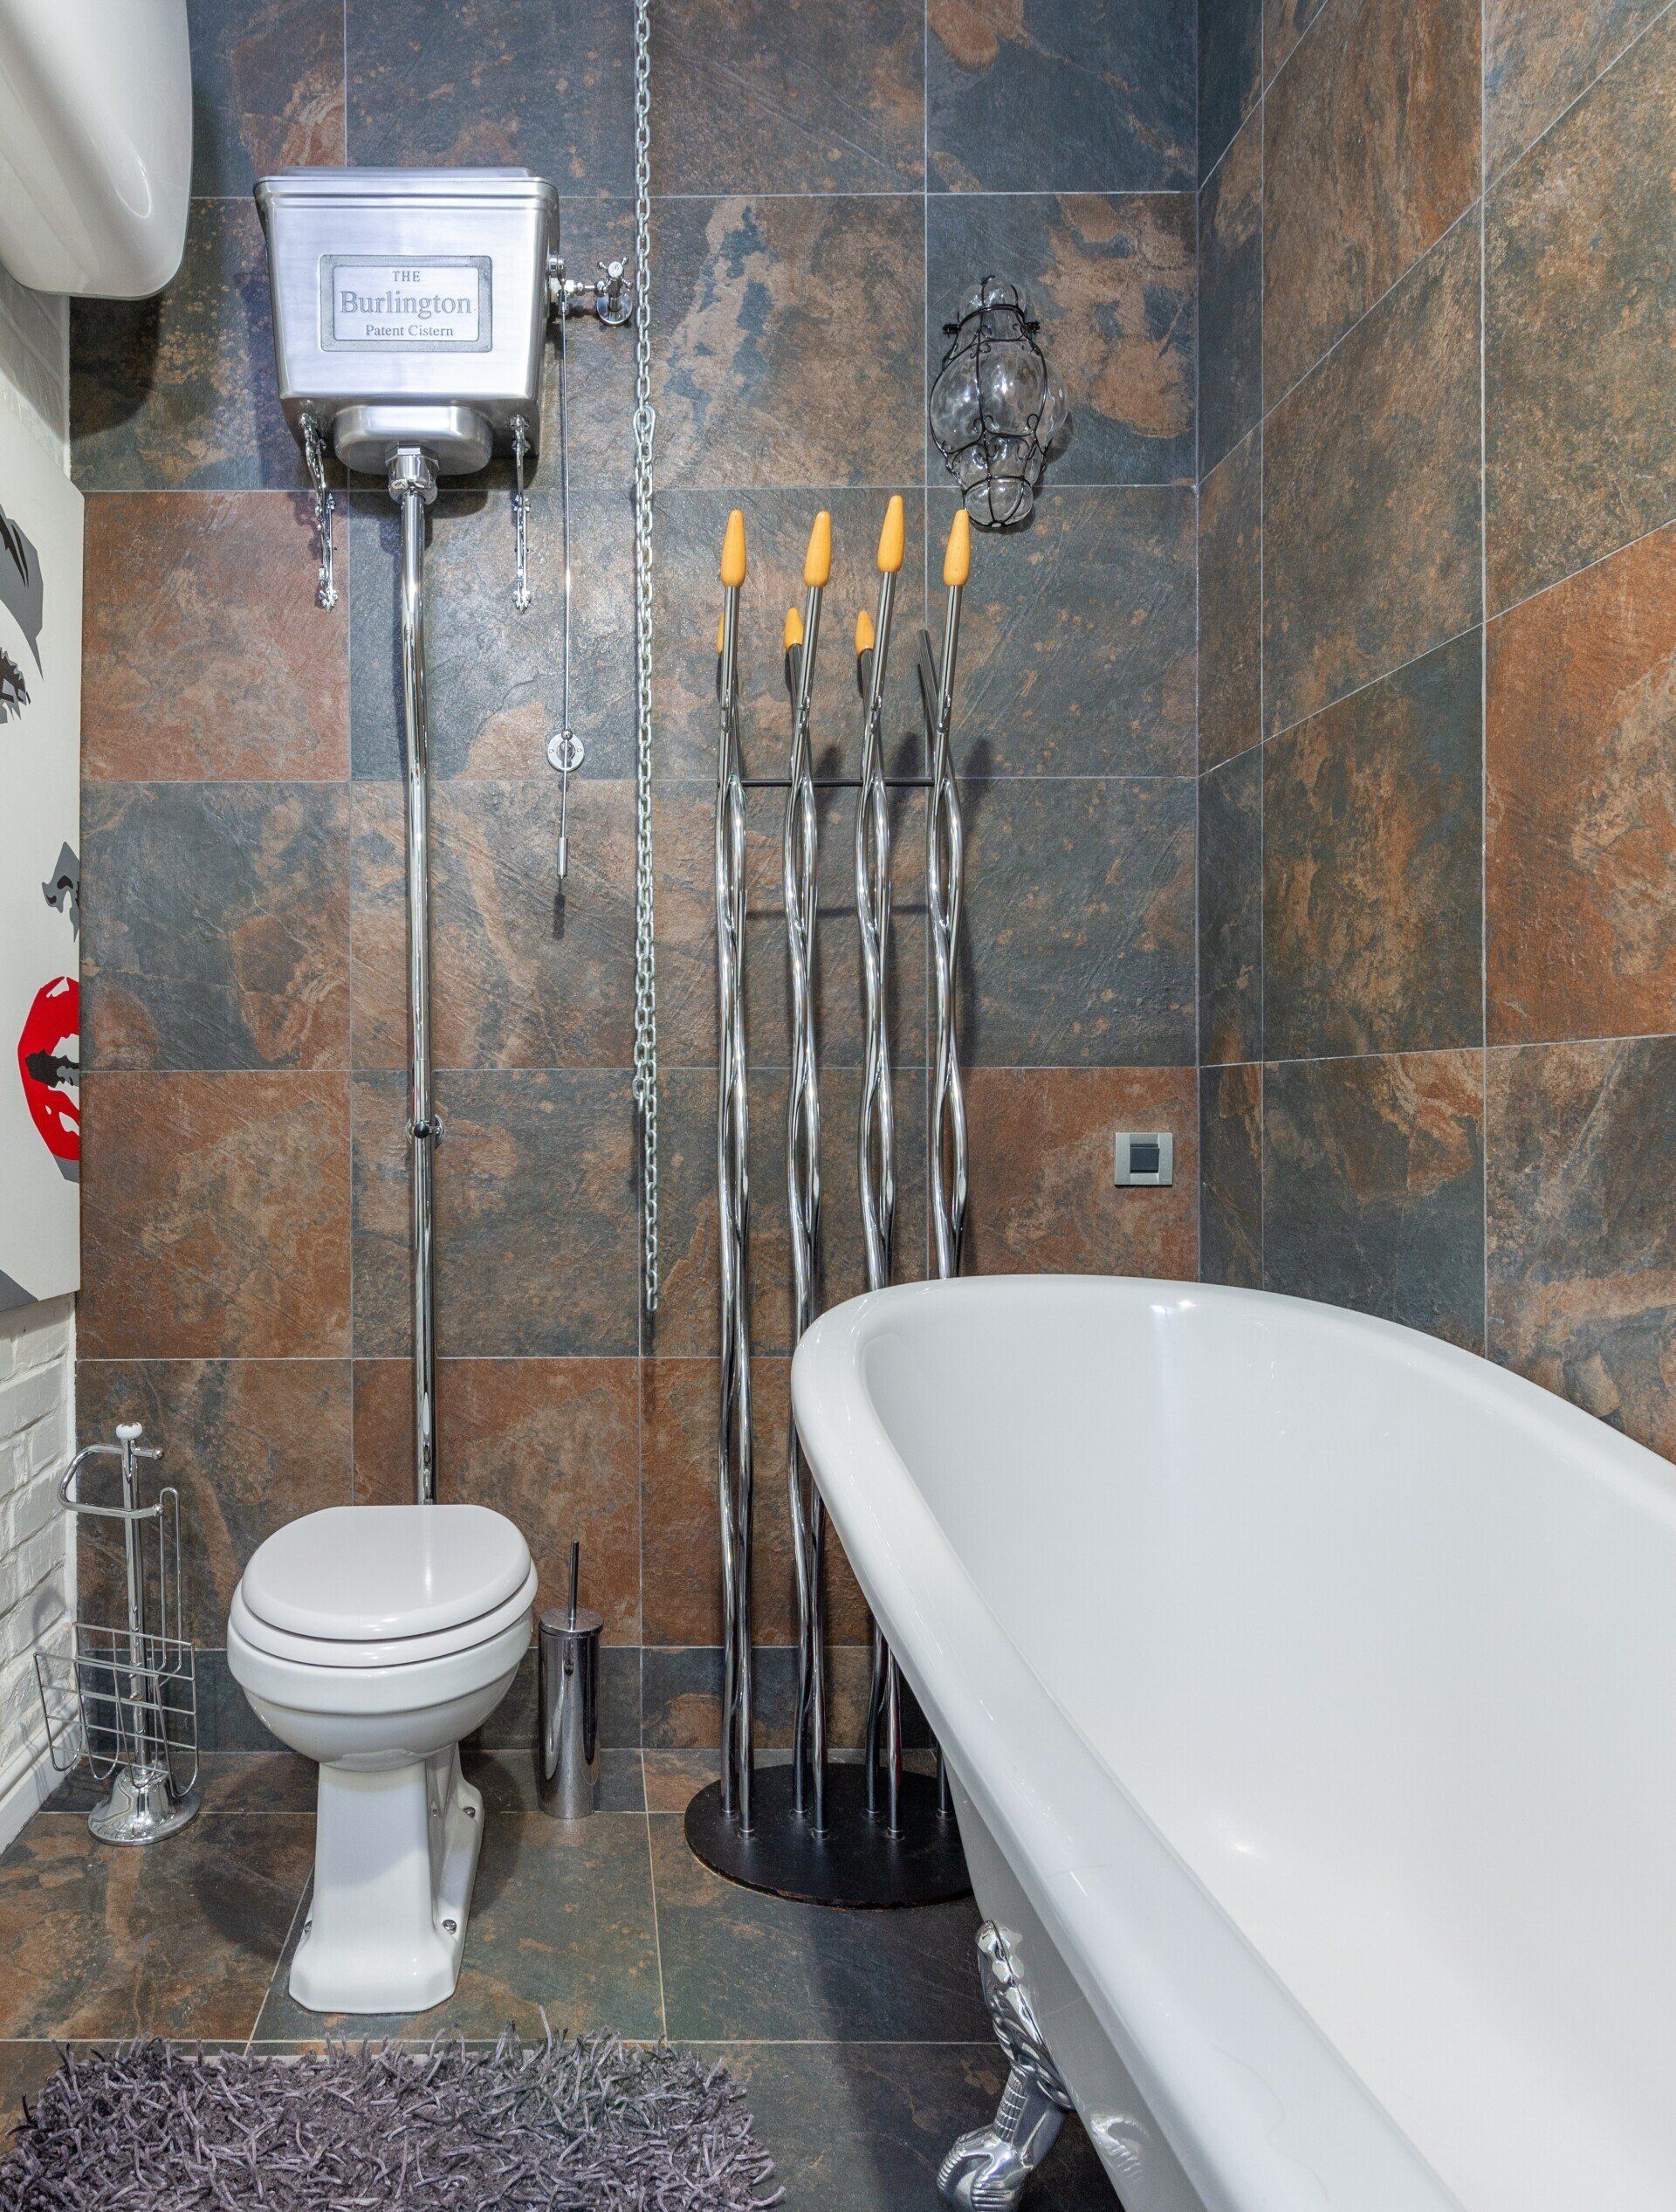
(372, 1639)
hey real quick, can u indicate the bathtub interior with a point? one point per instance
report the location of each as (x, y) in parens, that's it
(1383, 1642)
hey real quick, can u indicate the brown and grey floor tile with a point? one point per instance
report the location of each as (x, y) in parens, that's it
(738, 1965)
(179, 1940)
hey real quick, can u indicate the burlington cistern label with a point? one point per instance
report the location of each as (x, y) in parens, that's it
(405, 303)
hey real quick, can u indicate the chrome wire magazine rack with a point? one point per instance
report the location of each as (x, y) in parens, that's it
(123, 1701)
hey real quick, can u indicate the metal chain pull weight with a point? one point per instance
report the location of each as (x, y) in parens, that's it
(645, 1085)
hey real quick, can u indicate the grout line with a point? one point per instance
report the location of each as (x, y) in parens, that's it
(949, 198)
(1372, 308)
(1262, 605)
(685, 2043)
(1373, 681)
(1395, 1052)
(1199, 655)
(657, 1932)
(1604, 71)
(334, 1359)
(291, 1930)
(1572, 574)
(1262, 646)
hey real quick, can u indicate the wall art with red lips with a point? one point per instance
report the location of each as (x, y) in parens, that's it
(40, 875)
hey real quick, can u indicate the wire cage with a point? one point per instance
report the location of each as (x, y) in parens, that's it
(997, 405)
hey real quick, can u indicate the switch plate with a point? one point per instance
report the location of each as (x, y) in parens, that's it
(1143, 1157)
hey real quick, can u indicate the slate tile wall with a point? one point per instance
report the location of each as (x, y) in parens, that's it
(1438, 673)
(820, 202)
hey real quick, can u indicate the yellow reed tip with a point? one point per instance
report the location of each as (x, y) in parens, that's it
(890, 538)
(733, 552)
(817, 562)
(863, 632)
(794, 627)
(957, 560)
(721, 634)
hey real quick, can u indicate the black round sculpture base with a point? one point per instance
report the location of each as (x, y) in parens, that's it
(855, 1863)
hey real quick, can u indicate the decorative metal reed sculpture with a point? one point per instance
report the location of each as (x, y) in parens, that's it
(733, 1192)
(839, 1834)
(800, 855)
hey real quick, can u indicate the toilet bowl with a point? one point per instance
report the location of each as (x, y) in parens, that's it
(372, 1639)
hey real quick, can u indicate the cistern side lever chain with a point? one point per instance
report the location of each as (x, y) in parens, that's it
(325, 590)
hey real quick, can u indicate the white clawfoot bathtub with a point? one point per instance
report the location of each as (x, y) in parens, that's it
(1308, 1689)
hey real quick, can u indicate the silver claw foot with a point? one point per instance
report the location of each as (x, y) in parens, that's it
(987, 2169)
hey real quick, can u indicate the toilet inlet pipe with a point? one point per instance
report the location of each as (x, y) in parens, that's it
(413, 487)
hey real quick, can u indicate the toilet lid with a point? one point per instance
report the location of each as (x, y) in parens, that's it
(368, 1573)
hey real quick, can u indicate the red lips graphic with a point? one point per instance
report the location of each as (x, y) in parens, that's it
(48, 1059)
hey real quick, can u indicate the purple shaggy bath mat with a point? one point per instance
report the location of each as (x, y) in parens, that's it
(594, 2125)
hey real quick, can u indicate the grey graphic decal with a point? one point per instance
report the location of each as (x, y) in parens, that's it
(63, 887)
(14, 692)
(20, 582)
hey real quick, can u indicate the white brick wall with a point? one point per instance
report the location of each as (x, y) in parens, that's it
(37, 1345)
(35, 361)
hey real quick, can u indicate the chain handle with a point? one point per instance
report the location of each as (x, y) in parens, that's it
(645, 1085)
(326, 592)
(521, 507)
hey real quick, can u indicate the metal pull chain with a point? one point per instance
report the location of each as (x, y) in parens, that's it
(326, 592)
(645, 1084)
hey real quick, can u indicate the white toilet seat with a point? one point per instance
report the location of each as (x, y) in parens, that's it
(396, 1651)
(384, 1574)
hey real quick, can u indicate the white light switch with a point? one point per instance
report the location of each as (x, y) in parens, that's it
(1143, 1156)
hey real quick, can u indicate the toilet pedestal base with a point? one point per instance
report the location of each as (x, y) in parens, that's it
(396, 1854)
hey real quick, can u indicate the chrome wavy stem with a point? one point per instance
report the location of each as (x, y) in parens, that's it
(943, 847)
(413, 486)
(734, 1473)
(877, 1171)
(800, 857)
(944, 843)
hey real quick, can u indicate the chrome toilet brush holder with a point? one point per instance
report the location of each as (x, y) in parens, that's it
(123, 1701)
(567, 1728)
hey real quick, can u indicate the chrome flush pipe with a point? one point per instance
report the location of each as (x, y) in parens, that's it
(413, 486)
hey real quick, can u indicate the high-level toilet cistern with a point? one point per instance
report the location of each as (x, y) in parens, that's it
(409, 312)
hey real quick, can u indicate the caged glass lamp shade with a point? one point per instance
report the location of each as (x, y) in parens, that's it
(997, 405)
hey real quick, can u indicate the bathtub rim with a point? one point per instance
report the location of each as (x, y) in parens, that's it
(1251, 2097)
